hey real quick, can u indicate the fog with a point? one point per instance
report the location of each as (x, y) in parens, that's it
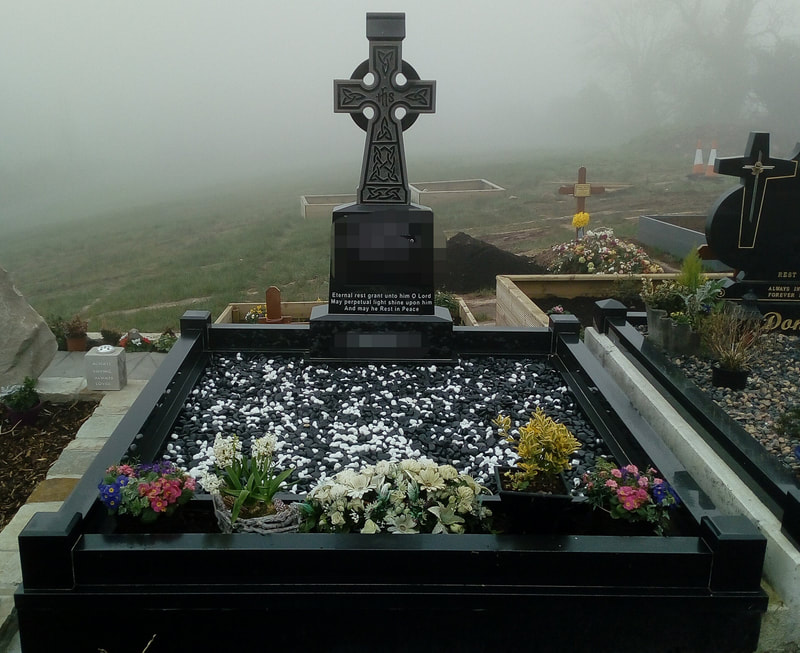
(109, 102)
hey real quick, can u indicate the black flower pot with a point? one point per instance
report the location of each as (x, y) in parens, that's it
(532, 511)
(734, 379)
(23, 417)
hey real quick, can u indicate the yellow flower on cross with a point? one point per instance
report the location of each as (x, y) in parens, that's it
(580, 219)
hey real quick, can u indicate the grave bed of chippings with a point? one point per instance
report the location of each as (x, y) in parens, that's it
(328, 418)
(772, 388)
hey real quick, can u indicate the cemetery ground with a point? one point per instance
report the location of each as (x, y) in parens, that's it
(27, 452)
(144, 266)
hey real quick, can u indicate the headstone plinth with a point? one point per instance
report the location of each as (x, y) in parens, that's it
(106, 368)
(398, 338)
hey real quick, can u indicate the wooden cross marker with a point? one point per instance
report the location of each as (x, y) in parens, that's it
(580, 192)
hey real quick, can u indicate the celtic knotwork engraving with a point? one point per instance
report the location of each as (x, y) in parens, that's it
(350, 98)
(384, 163)
(383, 194)
(420, 97)
(386, 60)
(385, 133)
(384, 159)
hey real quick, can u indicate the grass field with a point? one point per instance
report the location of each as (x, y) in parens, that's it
(144, 266)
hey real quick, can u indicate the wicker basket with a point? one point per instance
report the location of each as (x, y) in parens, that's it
(285, 521)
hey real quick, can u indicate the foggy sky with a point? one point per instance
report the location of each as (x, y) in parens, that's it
(107, 98)
(124, 95)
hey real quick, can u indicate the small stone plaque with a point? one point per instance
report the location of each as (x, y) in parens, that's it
(105, 368)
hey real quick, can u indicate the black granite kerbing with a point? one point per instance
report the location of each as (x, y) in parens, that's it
(80, 576)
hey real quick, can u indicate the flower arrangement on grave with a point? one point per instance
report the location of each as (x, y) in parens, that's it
(134, 341)
(630, 494)
(145, 490)
(580, 219)
(544, 447)
(255, 313)
(165, 341)
(76, 327)
(246, 485)
(662, 295)
(600, 252)
(558, 309)
(410, 496)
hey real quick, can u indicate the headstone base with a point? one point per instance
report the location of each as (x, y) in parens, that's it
(106, 368)
(778, 300)
(395, 338)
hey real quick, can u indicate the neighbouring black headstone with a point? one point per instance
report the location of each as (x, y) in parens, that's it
(381, 298)
(753, 229)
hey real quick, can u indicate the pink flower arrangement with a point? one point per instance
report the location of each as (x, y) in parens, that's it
(630, 494)
(145, 491)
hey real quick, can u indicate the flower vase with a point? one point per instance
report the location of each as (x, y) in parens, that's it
(682, 339)
(655, 325)
(283, 521)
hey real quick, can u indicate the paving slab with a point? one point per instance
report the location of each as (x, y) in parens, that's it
(53, 489)
(87, 444)
(117, 402)
(99, 426)
(64, 390)
(143, 366)
(71, 464)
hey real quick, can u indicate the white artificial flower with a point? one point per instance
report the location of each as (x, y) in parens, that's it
(429, 479)
(448, 472)
(402, 524)
(359, 486)
(370, 527)
(410, 465)
(383, 468)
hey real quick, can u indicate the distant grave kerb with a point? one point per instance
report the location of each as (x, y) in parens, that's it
(384, 179)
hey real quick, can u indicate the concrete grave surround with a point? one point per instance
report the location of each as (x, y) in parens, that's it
(26, 343)
(429, 193)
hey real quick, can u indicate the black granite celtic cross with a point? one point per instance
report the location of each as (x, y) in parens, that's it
(383, 171)
(756, 169)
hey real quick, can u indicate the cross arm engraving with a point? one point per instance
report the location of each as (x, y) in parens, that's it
(755, 170)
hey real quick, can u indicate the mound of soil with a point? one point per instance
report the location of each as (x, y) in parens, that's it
(473, 264)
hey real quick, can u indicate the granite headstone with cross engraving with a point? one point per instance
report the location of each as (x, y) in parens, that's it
(382, 259)
(753, 228)
(381, 298)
